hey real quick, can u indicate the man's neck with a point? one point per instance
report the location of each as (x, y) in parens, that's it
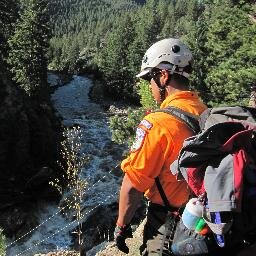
(174, 88)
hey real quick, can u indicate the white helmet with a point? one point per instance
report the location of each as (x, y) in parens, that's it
(170, 54)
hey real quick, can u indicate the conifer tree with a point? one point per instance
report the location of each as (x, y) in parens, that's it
(113, 60)
(8, 16)
(196, 27)
(231, 53)
(168, 29)
(181, 7)
(147, 30)
(28, 47)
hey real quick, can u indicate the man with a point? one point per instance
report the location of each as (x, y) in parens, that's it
(167, 64)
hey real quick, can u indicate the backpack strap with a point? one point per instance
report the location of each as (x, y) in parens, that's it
(162, 194)
(192, 121)
(193, 124)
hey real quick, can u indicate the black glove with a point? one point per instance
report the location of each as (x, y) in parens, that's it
(121, 233)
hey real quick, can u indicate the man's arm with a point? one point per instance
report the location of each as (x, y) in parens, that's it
(129, 201)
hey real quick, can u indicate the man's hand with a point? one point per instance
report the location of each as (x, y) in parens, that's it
(121, 233)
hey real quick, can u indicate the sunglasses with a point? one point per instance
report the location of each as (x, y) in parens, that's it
(153, 74)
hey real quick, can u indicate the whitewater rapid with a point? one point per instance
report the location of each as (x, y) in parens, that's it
(73, 105)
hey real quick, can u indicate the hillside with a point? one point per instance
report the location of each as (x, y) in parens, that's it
(108, 38)
(72, 16)
(81, 26)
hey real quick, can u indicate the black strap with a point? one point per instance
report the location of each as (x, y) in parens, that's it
(162, 194)
(192, 122)
(167, 205)
(189, 119)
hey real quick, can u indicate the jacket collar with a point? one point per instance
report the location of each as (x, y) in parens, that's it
(178, 95)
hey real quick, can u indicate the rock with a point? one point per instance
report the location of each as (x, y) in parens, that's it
(60, 253)
(97, 91)
(39, 183)
(29, 148)
(113, 149)
(133, 244)
(17, 220)
(99, 227)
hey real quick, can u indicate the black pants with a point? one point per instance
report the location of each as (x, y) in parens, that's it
(154, 235)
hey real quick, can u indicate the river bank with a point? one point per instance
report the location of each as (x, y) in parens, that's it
(55, 231)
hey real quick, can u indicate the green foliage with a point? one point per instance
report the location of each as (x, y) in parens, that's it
(2, 243)
(113, 59)
(147, 27)
(88, 22)
(196, 40)
(8, 16)
(29, 46)
(146, 99)
(231, 59)
(123, 127)
(113, 36)
(168, 29)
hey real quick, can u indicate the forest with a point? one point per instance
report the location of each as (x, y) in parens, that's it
(113, 39)
(111, 44)
(109, 39)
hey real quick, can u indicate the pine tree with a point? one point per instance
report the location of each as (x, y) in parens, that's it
(28, 47)
(195, 38)
(8, 16)
(72, 55)
(231, 54)
(147, 31)
(113, 59)
(168, 29)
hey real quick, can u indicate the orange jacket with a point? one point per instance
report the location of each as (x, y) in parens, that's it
(159, 138)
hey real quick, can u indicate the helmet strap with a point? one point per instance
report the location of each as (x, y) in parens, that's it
(162, 93)
(161, 89)
(173, 69)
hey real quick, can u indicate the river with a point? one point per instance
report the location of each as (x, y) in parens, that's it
(73, 105)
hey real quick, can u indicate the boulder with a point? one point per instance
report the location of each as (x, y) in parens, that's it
(28, 152)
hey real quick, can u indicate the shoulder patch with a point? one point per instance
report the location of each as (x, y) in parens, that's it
(146, 123)
(139, 139)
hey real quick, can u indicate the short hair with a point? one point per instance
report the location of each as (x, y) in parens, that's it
(179, 79)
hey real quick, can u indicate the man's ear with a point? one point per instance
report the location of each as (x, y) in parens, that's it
(165, 76)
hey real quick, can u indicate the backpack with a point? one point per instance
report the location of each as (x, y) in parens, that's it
(218, 163)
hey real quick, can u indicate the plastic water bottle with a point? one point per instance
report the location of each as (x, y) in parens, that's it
(216, 218)
(192, 215)
(200, 225)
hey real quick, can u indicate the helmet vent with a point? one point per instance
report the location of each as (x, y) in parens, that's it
(145, 59)
(175, 48)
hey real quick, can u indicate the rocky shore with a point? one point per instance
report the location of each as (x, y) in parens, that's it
(60, 253)
(107, 248)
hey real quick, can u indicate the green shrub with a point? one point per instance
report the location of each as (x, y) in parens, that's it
(146, 99)
(123, 127)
